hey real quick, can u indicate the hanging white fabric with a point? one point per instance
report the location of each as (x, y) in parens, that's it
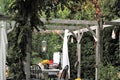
(3, 50)
(65, 57)
(113, 35)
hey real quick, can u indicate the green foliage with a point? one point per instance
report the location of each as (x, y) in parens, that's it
(88, 60)
(29, 11)
(86, 11)
(111, 47)
(54, 44)
(4, 6)
(116, 8)
(108, 72)
(73, 59)
(63, 13)
(110, 9)
(17, 51)
(1, 6)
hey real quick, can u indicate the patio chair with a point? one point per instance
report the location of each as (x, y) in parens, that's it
(36, 72)
(64, 74)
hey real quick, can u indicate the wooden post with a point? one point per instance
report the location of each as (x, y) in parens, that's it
(119, 44)
(79, 37)
(28, 66)
(97, 53)
(98, 49)
(79, 60)
(101, 40)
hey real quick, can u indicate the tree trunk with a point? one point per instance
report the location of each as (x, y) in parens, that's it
(28, 51)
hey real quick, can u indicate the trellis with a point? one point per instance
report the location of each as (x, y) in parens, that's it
(78, 26)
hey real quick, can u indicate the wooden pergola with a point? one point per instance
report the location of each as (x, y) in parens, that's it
(77, 28)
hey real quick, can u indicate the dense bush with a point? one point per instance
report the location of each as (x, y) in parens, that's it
(108, 72)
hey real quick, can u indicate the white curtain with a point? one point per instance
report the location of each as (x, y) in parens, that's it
(65, 57)
(3, 50)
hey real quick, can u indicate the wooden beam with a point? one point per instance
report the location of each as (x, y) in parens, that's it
(79, 22)
(93, 33)
(68, 21)
(53, 27)
(62, 27)
(119, 44)
(3, 17)
(73, 34)
(76, 27)
(83, 30)
(81, 34)
(61, 36)
(114, 22)
(52, 31)
(85, 22)
(92, 28)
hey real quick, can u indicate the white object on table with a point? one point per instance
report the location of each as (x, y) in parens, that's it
(50, 70)
(56, 57)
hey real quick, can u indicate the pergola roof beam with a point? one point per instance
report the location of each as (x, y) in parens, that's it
(93, 33)
(68, 21)
(94, 27)
(114, 22)
(59, 27)
(3, 17)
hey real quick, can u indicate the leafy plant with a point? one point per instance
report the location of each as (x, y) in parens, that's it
(54, 44)
(108, 72)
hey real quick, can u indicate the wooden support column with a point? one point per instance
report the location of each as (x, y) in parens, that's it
(79, 60)
(97, 53)
(101, 40)
(79, 37)
(98, 49)
(119, 44)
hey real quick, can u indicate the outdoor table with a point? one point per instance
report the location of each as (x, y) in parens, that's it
(46, 72)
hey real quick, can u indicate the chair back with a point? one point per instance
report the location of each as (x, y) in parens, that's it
(64, 74)
(35, 71)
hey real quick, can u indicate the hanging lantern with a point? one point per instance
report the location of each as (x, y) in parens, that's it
(44, 46)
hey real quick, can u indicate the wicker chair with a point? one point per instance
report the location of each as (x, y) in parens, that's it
(36, 72)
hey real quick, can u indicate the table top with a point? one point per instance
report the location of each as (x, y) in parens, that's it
(50, 70)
